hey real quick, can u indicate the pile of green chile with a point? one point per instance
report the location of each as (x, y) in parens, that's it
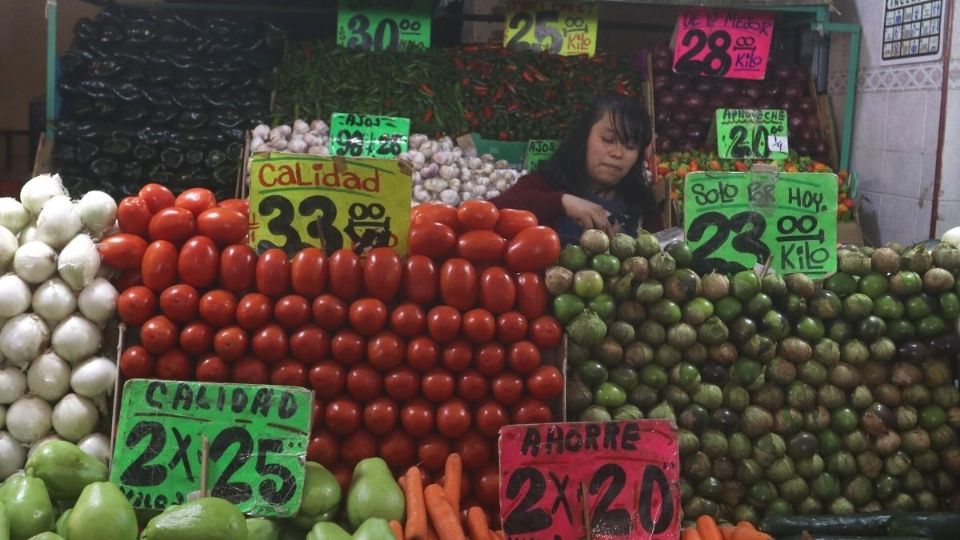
(791, 396)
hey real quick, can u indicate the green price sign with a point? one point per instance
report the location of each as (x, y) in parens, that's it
(362, 135)
(734, 221)
(383, 25)
(752, 133)
(257, 435)
(557, 26)
(537, 151)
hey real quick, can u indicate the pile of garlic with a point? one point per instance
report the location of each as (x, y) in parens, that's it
(301, 138)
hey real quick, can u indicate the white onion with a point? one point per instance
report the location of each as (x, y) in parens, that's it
(14, 296)
(12, 455)
(35, 262)
(54, 300)
(13, 215)
(39, 442)
(96, 445)
(74, 417)
(75, 338)
(8, 246)
(98, 300)
(23, 337)
(79, 262)
(39, 189)
(49, 377)
(58, 222)
(28, 234)
(13, 384)
(98, 211)
(3, 416)
(29, 418)
(94, 377)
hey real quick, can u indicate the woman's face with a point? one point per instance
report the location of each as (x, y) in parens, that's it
(608, 159)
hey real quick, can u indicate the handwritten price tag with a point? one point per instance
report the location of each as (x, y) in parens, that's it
(361, 135)
(565, 28)
(383, 25)
(720, 43)
(298, 201)
(748, 133)
(734, 221)
(631, 470)
(537, 152)
(258, 444)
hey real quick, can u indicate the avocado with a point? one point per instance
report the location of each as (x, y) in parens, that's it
(328, 531)
(65, 469)
(102, 513)
(46, 536)
(262, 529)
(208, 518)
(373, 529)
(373, 493)
(28, 507)
(321, 496)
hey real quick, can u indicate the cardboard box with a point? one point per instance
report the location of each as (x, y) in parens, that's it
(850, 232)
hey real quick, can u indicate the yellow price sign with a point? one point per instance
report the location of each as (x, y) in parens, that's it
(565, 28)
(299, 201)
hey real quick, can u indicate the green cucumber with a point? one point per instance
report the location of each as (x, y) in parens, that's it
(934, 525)
(873, 524)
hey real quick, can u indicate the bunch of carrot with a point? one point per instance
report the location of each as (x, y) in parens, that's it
(433, 511)
(708, 529)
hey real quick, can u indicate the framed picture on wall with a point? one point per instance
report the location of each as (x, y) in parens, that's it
(912, 31)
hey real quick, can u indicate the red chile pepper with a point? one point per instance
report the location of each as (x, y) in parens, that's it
(487, 112)
(480, 89)
(527, 77)
(513, 107)
(458, 62)
(427, 116)
(425, 89)
(503, 136)
(499, 95)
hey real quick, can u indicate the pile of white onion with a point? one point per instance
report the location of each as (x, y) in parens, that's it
(55, 301)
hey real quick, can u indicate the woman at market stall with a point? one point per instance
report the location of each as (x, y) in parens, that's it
(596, 177)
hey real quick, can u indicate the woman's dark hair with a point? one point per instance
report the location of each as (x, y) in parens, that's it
(567, 169)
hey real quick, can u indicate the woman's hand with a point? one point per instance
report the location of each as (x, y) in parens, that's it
(589, 215)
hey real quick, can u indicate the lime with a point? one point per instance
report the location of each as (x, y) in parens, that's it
(887, 307)
(727, 308)
(573, 257)
(567, 306)
(607, 265)
(873, 284)
(841, 283)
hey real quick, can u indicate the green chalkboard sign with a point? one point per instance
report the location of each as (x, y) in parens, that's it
(383, 25)
(538, 151)
(364, 135)
(752, 133)
(735, 221)
(257, 435)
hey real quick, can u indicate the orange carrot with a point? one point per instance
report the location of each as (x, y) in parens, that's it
(445, 521)
(416, 526)
(744, 533)
(727, 532)
(477, 524)
(431, 534)
(498, 535)
(707, 527)
(690, 533)
(452, 480)
(397, 529)
(402, 482)
(746, 525)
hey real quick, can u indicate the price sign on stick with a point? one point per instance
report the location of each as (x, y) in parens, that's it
(383, 25)
(721, 43)
(752, 133)
(734, 221)
(258, 444)
(630, 471)
(566, 28)
(363, 135)
(297, 201)
(538, 151)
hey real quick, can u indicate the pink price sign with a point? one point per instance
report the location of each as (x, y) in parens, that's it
(720, 43)
(627, 474)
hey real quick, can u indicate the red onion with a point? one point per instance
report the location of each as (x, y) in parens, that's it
(795, 122)
(793, 91)
(782, 72)
(672, 130)
(705, 116)
(813, 122)
(666, 99)
(661, 81)
(663, 115)
(705, 86)
(820, 148)
(662, 52)
(688, 145)
(661, 65)
(682, 116)
(752, 91)
(806, 135)
(766, 103)
(742, 102)
(664, 144)
(772, 89)
(728, 88)
(693, 101)
(680, 86)
(716, 102)
(786, 104)
(696, 132)
(803, 150)
(801, 75)
(805, 105)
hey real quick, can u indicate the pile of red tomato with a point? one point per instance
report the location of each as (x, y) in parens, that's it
(410, 358)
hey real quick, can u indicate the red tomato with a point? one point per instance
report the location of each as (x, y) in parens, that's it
(136, 363)
(523, 357)
(212, 368)
(316, 414)
(422, 353)
(329, 312)
(380, 416)
(231, 343)
(158, 267)
(159, 334)
(512, 221)
(408, 320)
(273, 273)
(289, 373)
(309, 344)
(531, 295)
(224, 225)
(269, 343)
(240, 205)
(343, 474)
(174, 365)
(531, 411)
(420, 279)
(479, 326)
(437, 385)
(546, 332)
(498, 292)
(402, 384)
(545, 383)
(249, 370)
(173, 225)
(481, 247)
(511, 327)
(198, 262)
(357, 447)
(433, 212)
(457, 356)
(472, 386)
(348, 347)
(308, 272)
(180, 303)
(478, 215)
(123, 251)
(218, 308)
(292, 311)
(157, 196)
(443, 323)
(364, 383)
(196, 338)
(196, 200)
(367, 316)
(238, 265)
(453, 418)
(133, 216)
(533, 249)
(434, 240)
(486, 485)
(417, 418)
(345, 274)
(507, 388)
(490, 359)
(458, 284)
(328, 379)
(474, 450)
(490, 417)
(432, 451)
(382, 273)
(342, 416)
(136, 304)
(324, 448)
(385, 351)
(254, 310)
(128, 279)
(398, 449)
